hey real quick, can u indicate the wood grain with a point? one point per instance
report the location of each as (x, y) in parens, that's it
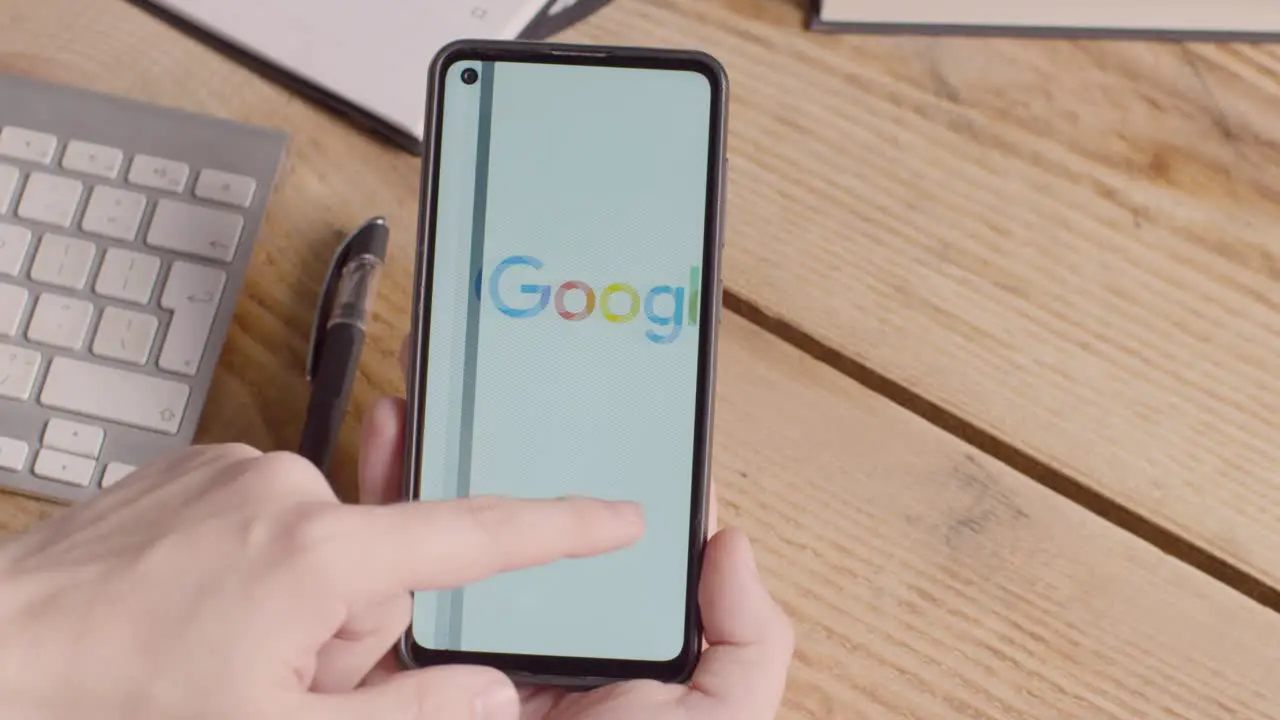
(926, 579)
(334, 178)
(1073, 247)
(929, 581)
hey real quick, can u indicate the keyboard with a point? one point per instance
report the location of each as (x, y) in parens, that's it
(125, 234)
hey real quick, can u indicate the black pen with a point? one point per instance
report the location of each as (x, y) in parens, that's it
(338, 337)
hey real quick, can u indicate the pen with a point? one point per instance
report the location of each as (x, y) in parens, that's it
(338, 337)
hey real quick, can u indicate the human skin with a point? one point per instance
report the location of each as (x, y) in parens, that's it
(227, 583)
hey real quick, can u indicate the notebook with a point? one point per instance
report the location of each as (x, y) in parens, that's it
(1227, 19)
(367, 59)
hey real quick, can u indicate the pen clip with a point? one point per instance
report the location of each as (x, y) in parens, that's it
(319, 330)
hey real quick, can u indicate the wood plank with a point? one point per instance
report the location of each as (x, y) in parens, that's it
(930, 581)
(334, 178)
(927, 580)
(19, 513)
(1071, 246)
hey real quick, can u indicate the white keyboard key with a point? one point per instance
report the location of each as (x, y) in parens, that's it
(8, 183)
(75, 438)
(114, 213)
(125, 336)
(13, 300)
(194, 230)
(91, 159)
(50, 199)
(226, 188)
(13, 454)
(18, 368)
(14, 242)
(64, 468)
(29, 145)
(106, 393)
(63, 262)
(114, 473)
(193, 293)
(61, 322)
(158, 173)
(128, 276)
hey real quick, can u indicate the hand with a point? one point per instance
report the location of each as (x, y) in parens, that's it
(223, 583)
(750, 640)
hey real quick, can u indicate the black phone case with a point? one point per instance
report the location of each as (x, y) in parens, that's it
(600, 55)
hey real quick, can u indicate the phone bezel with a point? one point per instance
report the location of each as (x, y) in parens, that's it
(554, 670)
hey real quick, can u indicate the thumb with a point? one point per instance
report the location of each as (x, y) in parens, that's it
(443, 693)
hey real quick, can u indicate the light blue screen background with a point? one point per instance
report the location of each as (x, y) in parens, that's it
(600, 174)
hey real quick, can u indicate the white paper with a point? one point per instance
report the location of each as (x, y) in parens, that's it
(1248, 16)
(374, 53)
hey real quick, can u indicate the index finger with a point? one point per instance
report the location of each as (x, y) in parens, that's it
(417, 546)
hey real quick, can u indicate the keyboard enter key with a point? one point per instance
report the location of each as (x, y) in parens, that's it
(194, 230)
(193, 293)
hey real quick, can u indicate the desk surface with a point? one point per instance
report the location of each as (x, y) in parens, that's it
(1000, 386)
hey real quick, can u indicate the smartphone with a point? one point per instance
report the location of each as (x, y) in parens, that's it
(564, 338)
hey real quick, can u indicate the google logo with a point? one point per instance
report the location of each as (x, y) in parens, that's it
(618, 303)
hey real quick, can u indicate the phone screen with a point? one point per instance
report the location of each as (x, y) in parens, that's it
(568, 298)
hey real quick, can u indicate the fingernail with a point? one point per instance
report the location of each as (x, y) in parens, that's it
(499, 702)
(623, 509)
(381, 417)
(630, 511)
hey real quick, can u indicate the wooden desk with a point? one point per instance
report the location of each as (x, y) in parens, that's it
(1004, 332)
